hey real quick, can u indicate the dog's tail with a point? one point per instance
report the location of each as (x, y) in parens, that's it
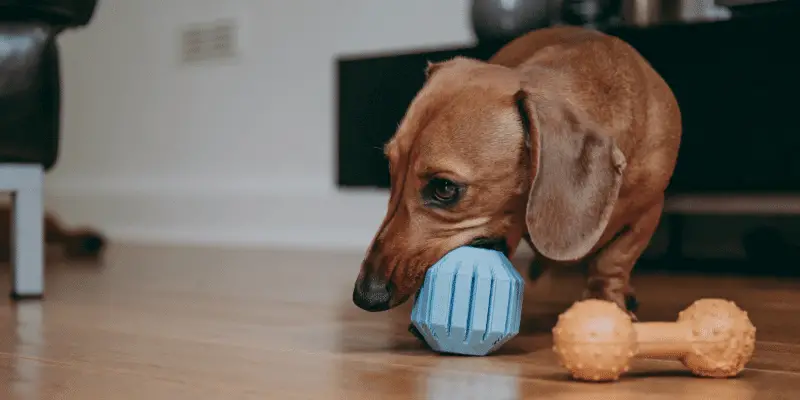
(83, 242)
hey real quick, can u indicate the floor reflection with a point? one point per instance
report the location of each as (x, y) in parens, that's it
(445, 382)
(690, 388)
(26, 322)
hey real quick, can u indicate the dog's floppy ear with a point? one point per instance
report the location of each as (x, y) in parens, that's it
(431, 68)
(576, 174)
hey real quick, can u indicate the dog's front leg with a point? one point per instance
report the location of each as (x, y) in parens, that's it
(538, 265)
(609, 271)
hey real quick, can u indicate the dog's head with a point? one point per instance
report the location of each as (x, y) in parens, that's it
(470, 165)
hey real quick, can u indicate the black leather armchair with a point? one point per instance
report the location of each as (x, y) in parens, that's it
(30, 105)
(29, 75)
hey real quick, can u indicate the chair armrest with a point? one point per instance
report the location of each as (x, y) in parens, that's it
(63, 13)
(29, 93)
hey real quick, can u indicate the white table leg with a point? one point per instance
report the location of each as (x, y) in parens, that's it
(27, 230)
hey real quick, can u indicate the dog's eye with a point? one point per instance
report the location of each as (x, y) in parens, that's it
(445, 190)
(442, 192)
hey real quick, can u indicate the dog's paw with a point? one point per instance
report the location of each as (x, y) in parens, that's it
(626, 302)
(631, 303)
(633, 316)
(84, 244)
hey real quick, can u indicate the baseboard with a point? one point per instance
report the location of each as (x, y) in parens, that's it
(334, 220)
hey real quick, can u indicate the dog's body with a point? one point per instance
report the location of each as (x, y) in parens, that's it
(566, 138)
(641, 114)
(76, 243)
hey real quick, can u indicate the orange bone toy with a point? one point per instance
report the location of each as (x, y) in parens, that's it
(595, 340)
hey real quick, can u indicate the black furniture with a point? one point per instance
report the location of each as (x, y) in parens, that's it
(30, 117)
(29, 75)
(736, 81)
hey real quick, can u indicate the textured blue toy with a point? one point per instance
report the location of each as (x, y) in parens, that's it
(470, 302)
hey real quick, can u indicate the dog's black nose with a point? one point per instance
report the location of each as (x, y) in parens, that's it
(372, 295)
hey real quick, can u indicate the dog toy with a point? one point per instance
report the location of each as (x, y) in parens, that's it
(469, 303)
(595, 340)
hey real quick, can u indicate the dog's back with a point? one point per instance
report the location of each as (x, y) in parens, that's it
(614, 86)
(525, 47)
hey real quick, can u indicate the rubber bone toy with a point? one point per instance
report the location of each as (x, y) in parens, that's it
(595, 340)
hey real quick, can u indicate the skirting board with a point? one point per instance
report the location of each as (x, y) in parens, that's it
(343, 220)
(296, 220)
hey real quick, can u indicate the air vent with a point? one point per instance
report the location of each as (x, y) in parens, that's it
(208, 41)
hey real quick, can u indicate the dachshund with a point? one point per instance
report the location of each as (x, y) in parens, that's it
(566, 138)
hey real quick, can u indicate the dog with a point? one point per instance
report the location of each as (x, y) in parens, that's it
(566, 138)
(82, 243)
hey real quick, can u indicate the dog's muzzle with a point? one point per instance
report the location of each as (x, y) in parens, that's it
(373, 295)
(493, 243)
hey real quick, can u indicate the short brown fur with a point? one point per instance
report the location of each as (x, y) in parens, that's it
(566, 137)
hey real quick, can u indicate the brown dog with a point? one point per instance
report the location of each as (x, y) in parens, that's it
(567, 137)
(76, 243)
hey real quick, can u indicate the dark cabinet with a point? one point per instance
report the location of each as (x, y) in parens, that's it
(737, 83)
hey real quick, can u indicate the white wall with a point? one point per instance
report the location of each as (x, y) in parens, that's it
(239, 152)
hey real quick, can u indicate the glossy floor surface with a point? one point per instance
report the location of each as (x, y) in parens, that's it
(180, 323)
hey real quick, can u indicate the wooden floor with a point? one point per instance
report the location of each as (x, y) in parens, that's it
(171, 323)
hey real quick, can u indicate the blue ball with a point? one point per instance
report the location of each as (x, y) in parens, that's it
(470, 302)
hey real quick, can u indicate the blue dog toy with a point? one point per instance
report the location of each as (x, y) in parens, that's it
(469, 303)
